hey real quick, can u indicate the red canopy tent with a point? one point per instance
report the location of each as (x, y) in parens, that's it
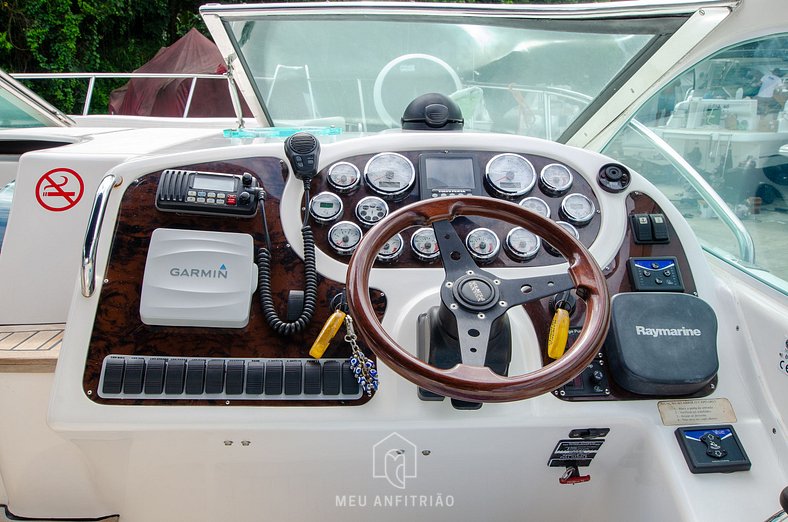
(192, 54)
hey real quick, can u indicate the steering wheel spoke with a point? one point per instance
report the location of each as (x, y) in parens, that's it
(521, 291)
(457, 261)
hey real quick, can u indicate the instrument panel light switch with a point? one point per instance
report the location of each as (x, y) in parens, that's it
(649, 229)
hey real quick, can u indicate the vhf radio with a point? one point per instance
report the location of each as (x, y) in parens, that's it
(195, 192)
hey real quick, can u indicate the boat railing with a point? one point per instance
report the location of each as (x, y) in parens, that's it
(92, 77)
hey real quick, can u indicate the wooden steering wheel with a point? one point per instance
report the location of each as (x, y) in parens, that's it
(477, 298)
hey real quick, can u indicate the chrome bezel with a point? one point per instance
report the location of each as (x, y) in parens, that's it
(483, 257)
(340, 250)
(503, 192)
(419, 255)
(384, 193)
(367, 223)
(321, 219)
(343, 189)
(537, 199)
(514, 253)
(551, 189)
(388, 258)
(573, 219)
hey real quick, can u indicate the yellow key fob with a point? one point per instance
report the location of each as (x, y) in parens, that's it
(328, 332)
(559, 332)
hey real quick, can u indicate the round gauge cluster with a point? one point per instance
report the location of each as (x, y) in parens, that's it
(387, 178)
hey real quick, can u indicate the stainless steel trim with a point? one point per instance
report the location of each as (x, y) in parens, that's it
(92, 233)
(586, 10)
(715, 202)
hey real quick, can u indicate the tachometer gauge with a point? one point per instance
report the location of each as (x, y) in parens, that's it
(577, 209)
(344, 237)
(325, 207)
(391, 250)
(483, 244)
(521, 244)
(343, 176)
(569, 228)
(390, 174)
(370, 210)
(424, 244)
(537, 205)
(510, 175)
(555, 179)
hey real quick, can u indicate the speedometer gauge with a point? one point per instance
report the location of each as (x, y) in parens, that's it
(391, 249)
(537, 205)
(483, 244)
(370, 210)
(555, 179)
(325, 207)
(389, 174)
(343, 176)
(510, 175)
(344, 237)
(521, 244)
(577, 209)
(424, 244)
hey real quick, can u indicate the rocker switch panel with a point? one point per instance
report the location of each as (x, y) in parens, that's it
(649, 229)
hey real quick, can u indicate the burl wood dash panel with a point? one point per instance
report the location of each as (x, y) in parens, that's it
(118, 329)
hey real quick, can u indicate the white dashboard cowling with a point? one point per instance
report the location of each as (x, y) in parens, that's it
(198, 278)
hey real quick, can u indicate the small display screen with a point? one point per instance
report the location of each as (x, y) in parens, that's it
(449, 173)
(326, 205)
(222, 183)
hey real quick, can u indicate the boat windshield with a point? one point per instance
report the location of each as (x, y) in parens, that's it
(519, 76)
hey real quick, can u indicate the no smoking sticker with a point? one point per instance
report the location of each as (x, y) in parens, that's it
(59, 189)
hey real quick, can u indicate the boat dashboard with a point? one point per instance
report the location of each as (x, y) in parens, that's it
(178, 315)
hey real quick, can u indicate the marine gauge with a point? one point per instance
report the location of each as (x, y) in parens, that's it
(425, 245)
(483, 244)
(344, 237)
(510, 175)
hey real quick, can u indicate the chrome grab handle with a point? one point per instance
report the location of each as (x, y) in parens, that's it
(92, 234)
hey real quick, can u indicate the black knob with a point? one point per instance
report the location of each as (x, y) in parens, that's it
(784, 499)
(244, 197)
(597, 376)
(246, 179)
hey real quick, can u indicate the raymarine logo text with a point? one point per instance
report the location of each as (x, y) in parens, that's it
(667, 332)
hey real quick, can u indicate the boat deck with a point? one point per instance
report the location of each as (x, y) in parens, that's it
(30, 348)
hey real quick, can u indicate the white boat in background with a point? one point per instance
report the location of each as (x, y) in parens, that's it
(464, 262)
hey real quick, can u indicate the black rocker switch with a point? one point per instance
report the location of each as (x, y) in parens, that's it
(641, 227)
(714, 447)
(659, 228)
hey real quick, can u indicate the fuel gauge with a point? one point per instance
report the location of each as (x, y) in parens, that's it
(344, 237)
(425, 245)
(483, 244)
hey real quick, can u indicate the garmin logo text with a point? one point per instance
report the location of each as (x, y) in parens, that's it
(200, 273)
(667, 332)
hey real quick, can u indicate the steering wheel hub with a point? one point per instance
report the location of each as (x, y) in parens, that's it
(475, 292)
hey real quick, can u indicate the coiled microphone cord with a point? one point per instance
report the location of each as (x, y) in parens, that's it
(310, 277)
